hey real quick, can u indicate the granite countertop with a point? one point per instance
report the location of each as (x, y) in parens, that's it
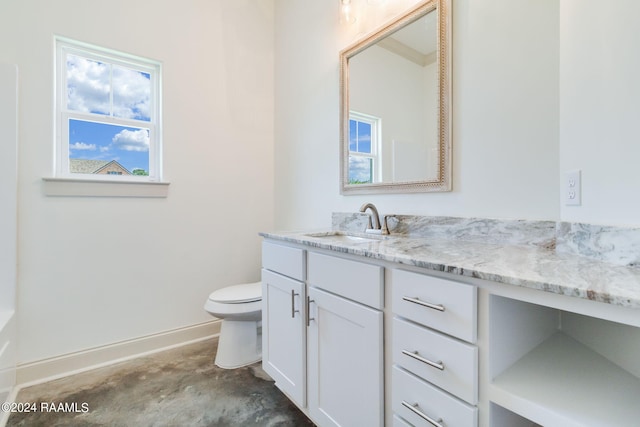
(538, 266)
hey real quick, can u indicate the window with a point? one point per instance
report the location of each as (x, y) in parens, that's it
(364, 158)
(107, 114)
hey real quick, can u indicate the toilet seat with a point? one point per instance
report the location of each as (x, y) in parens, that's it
(238, 294)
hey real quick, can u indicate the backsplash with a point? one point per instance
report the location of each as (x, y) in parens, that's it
(617, 245)
(482, 230)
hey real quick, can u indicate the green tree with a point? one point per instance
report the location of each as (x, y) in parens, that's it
(140, 172)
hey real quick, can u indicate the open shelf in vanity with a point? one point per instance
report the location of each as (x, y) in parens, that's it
(558, 368)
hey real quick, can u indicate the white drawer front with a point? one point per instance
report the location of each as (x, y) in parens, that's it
(441, 304)
(431, 402)
(351, 279)
(446, 362)
(399, 422)
(283, 259)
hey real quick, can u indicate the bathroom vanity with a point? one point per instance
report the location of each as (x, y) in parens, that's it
(452, 322)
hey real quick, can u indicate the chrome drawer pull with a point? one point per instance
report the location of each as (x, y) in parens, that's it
(438, 307)
(309, 318)
(415, 409)
(415, 355)
(293, 304)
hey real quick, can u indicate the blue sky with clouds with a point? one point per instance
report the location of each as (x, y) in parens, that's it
(109, 91)
(97, 141)
(360, 168)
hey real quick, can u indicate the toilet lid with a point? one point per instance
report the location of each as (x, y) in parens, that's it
(236, 294)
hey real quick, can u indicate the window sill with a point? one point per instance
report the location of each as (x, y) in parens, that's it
(94, 188)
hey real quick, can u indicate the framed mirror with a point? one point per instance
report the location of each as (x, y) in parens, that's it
(395, 112)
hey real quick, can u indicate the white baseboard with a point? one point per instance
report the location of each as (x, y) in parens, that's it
(61, 366)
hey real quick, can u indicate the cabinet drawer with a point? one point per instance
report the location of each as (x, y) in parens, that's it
(441, 304)
(456, 363)
(283, 259)
(431, 402)
(351, 279)
(399, 422)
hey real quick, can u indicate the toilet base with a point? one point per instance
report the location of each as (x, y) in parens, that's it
(240, 344)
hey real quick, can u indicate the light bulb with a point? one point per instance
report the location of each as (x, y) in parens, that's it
(347, 17)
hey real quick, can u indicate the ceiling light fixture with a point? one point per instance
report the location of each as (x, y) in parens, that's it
(347, 16)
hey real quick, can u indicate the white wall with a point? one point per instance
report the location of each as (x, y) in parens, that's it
(505, 112)
(600, 108)
(8, 228)
(94, 271)
(539, 88)
(8, 187)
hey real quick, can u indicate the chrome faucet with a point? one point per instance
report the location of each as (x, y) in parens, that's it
(375, 215)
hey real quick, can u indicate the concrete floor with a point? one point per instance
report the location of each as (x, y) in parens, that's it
(178, 387)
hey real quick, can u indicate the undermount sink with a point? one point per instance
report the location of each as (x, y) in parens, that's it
(349, 237)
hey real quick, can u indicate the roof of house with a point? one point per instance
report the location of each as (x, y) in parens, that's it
(86, 166)
(92, 166)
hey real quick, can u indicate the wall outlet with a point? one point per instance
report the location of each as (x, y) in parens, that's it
(572, 188)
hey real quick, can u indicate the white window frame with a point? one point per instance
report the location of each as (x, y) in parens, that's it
(64, 46)
(375, 123)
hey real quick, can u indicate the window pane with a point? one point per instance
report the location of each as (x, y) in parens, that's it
(87, 85)
(364, 137)
(360, 170)
(131, 94)
(100, 148)
(359, 136)
(353, 135)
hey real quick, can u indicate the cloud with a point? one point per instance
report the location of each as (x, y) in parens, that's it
(132, 140)
(131, 94)
(89, 89)
(360, 169)
(83, 146)
(88, 85)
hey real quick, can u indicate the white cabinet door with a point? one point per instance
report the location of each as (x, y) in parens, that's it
(345, 362)
(284, 334)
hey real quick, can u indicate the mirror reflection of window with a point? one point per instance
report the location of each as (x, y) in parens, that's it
(364, 148)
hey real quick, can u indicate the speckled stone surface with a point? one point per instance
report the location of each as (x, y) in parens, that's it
(617, 245)
(177, 387)
(482, 230)
(519, 253)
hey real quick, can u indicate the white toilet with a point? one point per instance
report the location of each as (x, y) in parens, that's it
(240, 308)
